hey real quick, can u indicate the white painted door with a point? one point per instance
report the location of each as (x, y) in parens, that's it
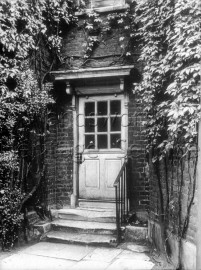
(102, 124)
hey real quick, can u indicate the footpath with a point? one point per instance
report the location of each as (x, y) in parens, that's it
(58, 256)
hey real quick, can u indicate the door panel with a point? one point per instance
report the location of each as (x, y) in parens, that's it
(102, 144)
(112, 168)
(92, 176)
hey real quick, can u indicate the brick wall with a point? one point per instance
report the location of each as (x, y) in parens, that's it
(139, 183)
(108, 52)
(59, 144)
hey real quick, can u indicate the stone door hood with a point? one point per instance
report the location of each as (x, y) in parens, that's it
(76, 74)
(94, 81)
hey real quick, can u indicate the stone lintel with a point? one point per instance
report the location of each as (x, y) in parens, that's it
(90, 73)
(103, 9)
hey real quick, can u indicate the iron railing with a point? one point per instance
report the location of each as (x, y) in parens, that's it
(122, 200)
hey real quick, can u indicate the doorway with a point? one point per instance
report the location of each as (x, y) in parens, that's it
(102, 128)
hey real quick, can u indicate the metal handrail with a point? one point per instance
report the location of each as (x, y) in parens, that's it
(119, 174)
(121, 199)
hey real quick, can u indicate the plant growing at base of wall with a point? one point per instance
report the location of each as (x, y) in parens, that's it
(30, 44)
(170, 50)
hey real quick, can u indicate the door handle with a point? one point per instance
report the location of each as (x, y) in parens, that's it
(79, 158)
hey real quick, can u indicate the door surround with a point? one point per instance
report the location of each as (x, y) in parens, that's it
(78, 83)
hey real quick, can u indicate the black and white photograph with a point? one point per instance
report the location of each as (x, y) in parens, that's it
(100, 134)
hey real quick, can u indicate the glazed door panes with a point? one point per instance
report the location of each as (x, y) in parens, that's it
(103, 124)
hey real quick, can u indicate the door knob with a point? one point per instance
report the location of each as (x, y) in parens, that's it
(79, 158)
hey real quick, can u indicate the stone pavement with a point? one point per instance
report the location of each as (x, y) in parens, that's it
(53, 256)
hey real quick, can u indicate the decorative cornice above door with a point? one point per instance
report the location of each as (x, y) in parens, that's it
(94, 81)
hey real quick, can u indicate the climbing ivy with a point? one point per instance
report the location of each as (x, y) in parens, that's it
(30, 43)
(170, 49)
(167, 33)
(170, 94)
(97, 28)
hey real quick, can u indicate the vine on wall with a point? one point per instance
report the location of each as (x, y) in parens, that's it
(170, 51)
(98, 28)
(31, 35)
(167, 33)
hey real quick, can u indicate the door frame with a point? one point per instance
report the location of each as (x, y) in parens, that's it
(75, 109)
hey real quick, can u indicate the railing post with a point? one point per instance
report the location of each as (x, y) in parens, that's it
(127, 194)
(124, 199)
(121, 199)
(117, 216)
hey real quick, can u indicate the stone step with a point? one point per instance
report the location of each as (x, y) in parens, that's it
(101, 204)
(84, 227)
(81, 238)
(94, 215)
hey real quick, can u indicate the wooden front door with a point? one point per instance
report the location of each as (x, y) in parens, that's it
(102, 143)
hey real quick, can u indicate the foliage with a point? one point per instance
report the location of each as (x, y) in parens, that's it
(97, 28)
(169, 91)
(171, 50)
(167, 33)
(30, 32)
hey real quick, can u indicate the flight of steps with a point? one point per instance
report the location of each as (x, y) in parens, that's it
(92, 223)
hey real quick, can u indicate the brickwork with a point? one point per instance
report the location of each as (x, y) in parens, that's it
(138, 181)
(108, 52)
(59, 144)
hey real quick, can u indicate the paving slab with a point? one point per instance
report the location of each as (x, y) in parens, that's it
(43, 247)
(58, 256)
(74, 252)
(130, 264)
(24, 261)
(129, 255)
(103, 254)
(137, 248)
(91, 265)
(62, 251)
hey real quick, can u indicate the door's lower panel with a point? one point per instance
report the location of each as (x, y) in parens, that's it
(97, 176)
(92, 174)
(112, 168)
